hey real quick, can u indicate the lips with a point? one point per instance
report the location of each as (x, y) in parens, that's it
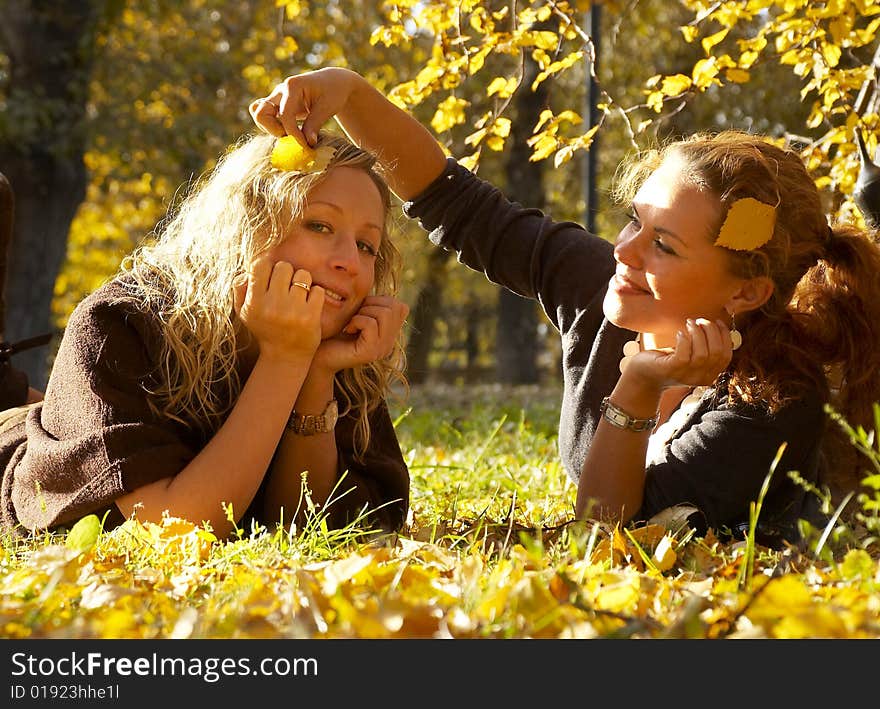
(622, 284)
(334, 296)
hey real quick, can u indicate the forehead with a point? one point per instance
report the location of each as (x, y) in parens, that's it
(673, 200)
(351, 190)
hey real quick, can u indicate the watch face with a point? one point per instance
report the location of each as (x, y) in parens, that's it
(331, 414)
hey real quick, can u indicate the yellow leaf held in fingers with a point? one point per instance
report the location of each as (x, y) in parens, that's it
(749, 225)
(289, 155)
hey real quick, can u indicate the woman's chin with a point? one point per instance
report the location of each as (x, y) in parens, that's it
(617, 316)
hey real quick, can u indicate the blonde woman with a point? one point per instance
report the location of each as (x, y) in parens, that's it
(241, 358)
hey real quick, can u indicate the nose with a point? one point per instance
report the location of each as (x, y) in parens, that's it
(627, 248)
(345, 255)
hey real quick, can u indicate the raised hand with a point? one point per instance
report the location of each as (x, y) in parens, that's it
(369, 335)
(703, 350)
(281, 309)
(312, 98)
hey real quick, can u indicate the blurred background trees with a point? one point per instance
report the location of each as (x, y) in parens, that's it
(111, 107)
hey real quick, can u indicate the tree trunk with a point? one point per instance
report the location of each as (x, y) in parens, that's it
(7, 215)
(42, 141)
(866, 192)
(427, 308)
(516, 342)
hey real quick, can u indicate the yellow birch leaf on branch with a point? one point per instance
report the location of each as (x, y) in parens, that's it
(689, 32)
(476, 137)
(563, 155)
(655, 101)
(556, 67)
(495, 142)
(738, 76)
(747, 59)
(501, 127)
(540, 39)
(469, 162)
(450, 112)
(705, 73)
(675, 85)
(831, 53)
(543, 145)
(501, 86)
(545, 116)
(712, 40)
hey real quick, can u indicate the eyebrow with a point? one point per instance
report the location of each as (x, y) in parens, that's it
(337, 208)
(663, 230)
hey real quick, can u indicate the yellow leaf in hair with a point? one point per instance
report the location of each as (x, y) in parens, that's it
(288, 154)
(749, 225)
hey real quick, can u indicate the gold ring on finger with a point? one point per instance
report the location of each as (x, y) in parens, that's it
(299, 284)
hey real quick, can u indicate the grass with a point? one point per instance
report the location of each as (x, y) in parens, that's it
(490, 551)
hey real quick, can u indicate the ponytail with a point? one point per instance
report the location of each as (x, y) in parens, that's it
(838, 300)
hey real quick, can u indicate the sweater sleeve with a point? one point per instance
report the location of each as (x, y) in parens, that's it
(376, 483)
(558, 263)
(94, 436)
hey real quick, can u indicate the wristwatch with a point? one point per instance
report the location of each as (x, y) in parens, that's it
(619, 418)
(310, 424)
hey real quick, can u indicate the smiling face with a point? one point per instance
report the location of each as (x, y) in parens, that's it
(668, 269)
(337, 239)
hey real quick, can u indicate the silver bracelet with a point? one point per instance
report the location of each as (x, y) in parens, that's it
(619, 418)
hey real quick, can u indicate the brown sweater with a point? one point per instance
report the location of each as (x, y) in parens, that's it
(95, 438)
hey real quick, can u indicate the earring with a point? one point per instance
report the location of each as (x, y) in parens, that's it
(736, 337)
(630, 350)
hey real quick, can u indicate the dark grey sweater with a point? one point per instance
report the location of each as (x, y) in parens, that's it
(719, 458)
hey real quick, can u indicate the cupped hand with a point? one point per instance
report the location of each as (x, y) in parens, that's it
(281, 309)
(703, 349)
(312, 98)
(369, 335)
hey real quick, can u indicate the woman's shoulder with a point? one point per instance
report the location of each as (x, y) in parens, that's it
(802, 413)
(110, 315)
(113, 301)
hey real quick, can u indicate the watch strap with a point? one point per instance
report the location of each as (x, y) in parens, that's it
(311, 424)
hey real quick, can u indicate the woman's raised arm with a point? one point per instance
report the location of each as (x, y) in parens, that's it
(302, 103)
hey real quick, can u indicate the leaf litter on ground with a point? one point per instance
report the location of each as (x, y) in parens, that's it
(490, 550)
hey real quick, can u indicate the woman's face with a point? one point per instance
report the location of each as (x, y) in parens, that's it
(337, 239)
(668, 269)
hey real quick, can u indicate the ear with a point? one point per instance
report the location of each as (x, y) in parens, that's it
(751, 295)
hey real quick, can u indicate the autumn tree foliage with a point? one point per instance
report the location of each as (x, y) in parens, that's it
(828, 46)
(163, 87)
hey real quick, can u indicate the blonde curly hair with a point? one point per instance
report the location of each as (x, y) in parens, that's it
(185, 274)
